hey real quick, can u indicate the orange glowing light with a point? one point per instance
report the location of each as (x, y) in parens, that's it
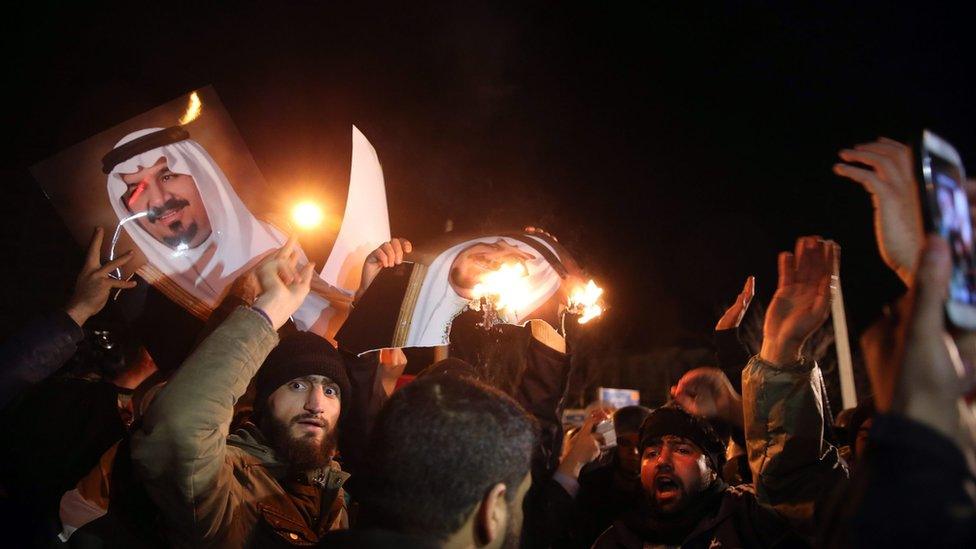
(506, 288)
(585, 301)
(307, 215)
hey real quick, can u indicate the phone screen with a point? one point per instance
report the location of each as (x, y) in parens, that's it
(953, 224)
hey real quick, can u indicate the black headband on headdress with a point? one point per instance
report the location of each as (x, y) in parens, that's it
(142, 144)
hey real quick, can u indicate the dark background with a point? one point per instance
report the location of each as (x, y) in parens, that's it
(675, 150)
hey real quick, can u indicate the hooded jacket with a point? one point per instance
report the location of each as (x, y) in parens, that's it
(219, 490)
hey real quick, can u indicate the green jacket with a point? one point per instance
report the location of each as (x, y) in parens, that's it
(794, 469)
(214, 489)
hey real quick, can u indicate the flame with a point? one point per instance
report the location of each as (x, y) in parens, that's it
(506, 288)
(307, 215)
(193, 109)
(585, 301)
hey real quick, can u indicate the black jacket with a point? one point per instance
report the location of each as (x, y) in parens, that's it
(738, 520)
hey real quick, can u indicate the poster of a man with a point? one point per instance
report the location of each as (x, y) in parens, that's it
(414, 304)
(182, 194)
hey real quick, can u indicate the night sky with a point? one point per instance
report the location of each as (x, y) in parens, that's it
(674, 150)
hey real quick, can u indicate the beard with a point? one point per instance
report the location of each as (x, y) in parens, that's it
(303, 453)
(184, 235)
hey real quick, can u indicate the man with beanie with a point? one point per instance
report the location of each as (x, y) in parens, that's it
(269, 483)
(685, 503)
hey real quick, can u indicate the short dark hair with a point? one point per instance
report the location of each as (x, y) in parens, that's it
(438, 446)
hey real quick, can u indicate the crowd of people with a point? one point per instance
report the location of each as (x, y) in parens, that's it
(269, 436)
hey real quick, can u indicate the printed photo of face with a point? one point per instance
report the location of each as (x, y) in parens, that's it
(177, 214)
(478, 259)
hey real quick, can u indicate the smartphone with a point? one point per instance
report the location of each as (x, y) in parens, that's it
(606, 430)
(945, 211)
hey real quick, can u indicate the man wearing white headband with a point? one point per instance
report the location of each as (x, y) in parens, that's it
(198, 233)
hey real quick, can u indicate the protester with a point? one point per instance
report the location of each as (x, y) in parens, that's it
(794, 468)
(43, 347)
(448, 466)
(607, 486)
(686, 503)
(68, 394)
(273, 482)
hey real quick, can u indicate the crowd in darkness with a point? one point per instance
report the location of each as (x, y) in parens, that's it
(268, 436)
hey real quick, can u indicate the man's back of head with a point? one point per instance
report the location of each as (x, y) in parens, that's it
(448, 460)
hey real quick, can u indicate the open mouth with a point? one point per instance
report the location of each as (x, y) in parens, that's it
(666, 487)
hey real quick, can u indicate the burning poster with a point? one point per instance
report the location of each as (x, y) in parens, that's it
(509, 277)
(178, 186)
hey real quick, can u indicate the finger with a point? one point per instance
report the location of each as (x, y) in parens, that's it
(898, 144)
(903, 155)
(879, 147)
(287, 271)
(785, 266)
(93, 255)
(288, 249)
(867, 178)
(304, 280)
(877, 161)
(123, 284)
(378, 256)
(820, 308)
(389, 256)
(397, 251)
(114, 264)
(805, 248)
(407, 246)
(748, 291)
(931, 286)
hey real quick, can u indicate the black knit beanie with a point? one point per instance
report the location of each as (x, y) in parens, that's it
(675, 421)
(298, 355)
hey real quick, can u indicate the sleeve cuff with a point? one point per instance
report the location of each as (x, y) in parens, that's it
(571, 485)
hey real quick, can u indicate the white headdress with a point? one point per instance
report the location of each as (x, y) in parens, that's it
(237, 238)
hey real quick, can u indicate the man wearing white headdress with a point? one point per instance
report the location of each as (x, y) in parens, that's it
(451, 277)
(199, 236)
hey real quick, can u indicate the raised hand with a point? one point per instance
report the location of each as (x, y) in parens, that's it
(890, 178)
(283, 286)
(388, 254)
(933, 378)
(707, 392)
(585, 445)
(801, 303)
(733, 315)
(94, 284)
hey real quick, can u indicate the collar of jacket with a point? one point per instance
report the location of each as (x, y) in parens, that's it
(250, 439)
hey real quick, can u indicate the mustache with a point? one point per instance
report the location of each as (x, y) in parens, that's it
(312, 417)
(159, 211)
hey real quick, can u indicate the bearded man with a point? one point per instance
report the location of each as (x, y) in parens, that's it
(685, 503)
(272, 482)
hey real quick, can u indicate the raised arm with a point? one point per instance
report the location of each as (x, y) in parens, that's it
(180, 449)
(47, 343)
(792, 465)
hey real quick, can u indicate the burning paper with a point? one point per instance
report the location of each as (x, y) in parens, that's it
(193, 109)
(585, 301)
(506, 289)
